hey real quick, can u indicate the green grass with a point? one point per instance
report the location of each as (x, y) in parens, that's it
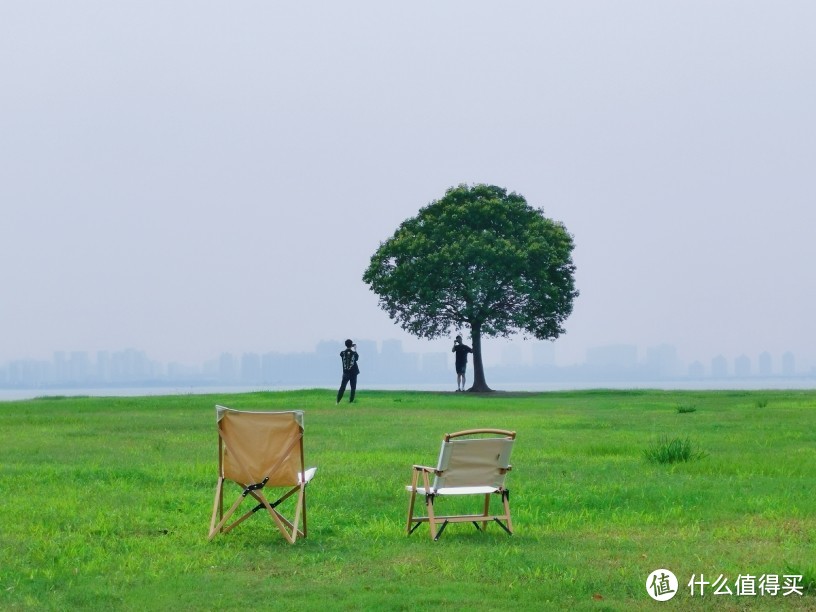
(105, 504)
(673, 450)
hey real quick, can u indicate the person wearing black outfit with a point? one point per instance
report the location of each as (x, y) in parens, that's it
(349, 358)
(461, 351)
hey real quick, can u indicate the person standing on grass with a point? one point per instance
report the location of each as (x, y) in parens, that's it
(461, 351)
(349, 358)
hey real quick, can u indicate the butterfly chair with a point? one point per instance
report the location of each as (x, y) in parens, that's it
(261, 451)
(468, 465)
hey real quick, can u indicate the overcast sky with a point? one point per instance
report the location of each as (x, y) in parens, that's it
(187, 178)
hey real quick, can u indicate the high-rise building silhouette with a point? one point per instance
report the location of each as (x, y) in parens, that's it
(103, 367)
(227, 368)
(251, 368)
(613, 355)
(662, 360)
(696, 370)
(719, 367)
(788, 364)
(742, 366)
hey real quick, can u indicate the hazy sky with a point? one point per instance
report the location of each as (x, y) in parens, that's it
(186, 178)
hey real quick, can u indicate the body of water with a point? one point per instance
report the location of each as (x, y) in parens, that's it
(746, 384)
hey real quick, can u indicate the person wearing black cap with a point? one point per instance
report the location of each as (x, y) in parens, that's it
(349, 358)
(461, 351)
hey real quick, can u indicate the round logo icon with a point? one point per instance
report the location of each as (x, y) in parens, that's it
(661, 585)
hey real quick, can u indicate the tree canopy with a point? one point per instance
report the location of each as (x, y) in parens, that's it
(479, 258)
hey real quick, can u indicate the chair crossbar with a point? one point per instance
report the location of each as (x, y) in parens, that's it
(278, 501)
(462, 518)
(254, 487)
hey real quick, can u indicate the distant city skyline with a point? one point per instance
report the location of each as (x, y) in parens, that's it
(495, 351)
(386, 362)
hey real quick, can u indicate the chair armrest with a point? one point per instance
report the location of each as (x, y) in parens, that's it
(470, 432)
(425, 468)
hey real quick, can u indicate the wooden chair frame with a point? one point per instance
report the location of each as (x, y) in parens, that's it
(421, 483)
(290, 529)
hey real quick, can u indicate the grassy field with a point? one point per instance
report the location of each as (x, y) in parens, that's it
(105, 504)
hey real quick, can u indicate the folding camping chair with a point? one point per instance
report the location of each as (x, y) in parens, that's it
(467, 466)
(260, 451)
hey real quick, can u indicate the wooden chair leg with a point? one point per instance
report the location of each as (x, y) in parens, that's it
(226, 517)
(429, 502)
(304, 511)
(506, 500)
(298, 513)
(218, 507)
(410, 512)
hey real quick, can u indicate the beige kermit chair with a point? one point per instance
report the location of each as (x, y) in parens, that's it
(261, 452)
(469, 464)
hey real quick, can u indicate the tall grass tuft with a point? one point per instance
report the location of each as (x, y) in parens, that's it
(685, 409)
(675, 450)
(763, 403)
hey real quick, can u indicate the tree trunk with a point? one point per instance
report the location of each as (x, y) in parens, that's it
(479, 383)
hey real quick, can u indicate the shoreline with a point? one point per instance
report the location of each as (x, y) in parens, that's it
(747, 384)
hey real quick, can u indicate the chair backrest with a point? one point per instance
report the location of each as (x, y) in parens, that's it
(258, 445)
(474, 462)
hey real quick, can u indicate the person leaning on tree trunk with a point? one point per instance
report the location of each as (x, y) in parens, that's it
(461, 351)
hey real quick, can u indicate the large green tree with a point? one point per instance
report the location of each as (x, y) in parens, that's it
(479, 258)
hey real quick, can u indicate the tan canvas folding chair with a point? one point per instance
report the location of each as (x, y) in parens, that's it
(260, 451)
(467, 465)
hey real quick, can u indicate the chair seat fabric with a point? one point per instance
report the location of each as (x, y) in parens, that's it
(456, 490)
